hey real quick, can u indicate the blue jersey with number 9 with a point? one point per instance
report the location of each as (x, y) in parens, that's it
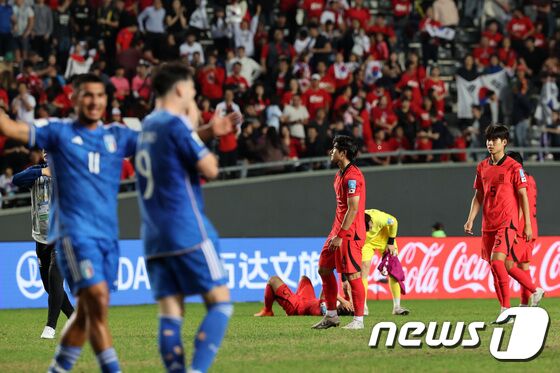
(86, 167)
(170, 193)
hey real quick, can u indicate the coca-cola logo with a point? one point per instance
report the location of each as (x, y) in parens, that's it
(550, 268)
(463, 271)
(421, 276)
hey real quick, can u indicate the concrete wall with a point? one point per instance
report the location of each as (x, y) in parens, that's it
(300, 205)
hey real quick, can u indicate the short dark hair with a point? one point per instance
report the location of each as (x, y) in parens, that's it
(367, 220)
(346, 144)
(167, 75)
(78, 80)
(497, 131)
(516, 156)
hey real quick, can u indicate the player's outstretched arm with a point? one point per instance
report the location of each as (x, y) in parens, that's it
(14, 130)
(219, 126)
(208, 166)
(475, 208)
(524, 202)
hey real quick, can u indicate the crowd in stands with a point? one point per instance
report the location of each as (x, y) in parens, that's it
(300, 71)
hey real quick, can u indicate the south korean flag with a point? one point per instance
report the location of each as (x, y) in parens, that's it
(352, 186)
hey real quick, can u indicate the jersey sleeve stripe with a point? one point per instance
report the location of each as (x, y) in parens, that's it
(203, 153)
(32, 140)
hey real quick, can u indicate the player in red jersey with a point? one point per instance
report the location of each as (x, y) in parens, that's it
(301, 303)
(500, 183)
(343, 247)
(522, 250)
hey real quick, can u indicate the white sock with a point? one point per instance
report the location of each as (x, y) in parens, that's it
(396, 302)
(331, 313)
(359, 318)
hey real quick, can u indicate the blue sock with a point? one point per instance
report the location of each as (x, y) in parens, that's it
(170, 344)
(64, 358)
(210, 335)
(108, 361)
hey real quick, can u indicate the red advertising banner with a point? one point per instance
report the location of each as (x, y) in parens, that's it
(439, 268)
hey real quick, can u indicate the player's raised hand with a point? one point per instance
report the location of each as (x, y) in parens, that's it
(335, 243)
(468, 227)
(528, 232)
(223, 125)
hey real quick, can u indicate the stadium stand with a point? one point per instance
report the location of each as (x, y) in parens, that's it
(396, 74)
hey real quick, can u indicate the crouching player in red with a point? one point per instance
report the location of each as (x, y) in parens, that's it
(343, 247)
(522, 250)
(500, 182)
(301, 303)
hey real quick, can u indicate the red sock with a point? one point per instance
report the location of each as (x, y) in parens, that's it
(330, 290)
(523, 279)
(503, 280)
(526, 294)
(358, 296)
(268, 297)
(496, 285)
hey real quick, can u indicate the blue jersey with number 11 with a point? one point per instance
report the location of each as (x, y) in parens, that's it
(86, 166)
(173, 219)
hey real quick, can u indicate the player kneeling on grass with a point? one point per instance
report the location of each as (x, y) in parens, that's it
(301, 303)
(381, 236)
(522, 250)
(343, 247)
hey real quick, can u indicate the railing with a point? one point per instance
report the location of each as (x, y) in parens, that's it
(540, 154)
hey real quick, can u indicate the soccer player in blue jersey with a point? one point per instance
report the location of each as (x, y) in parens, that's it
(180, 243)
(85, 159)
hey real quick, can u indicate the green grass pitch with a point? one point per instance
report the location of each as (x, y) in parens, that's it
(282, 344)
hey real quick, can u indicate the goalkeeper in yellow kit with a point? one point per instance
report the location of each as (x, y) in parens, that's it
(381, 235)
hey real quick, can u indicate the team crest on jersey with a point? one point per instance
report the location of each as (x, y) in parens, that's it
(86, 269)
(522, 175)
(110, 143)
(352, 186)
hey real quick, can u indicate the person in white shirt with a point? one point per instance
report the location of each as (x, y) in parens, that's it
(152, 23)
(190, 47)
(295, 115)
(250, 69)
(228, 105)
(243, 35)
(24, 105)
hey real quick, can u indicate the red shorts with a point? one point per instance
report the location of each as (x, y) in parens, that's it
(302, 302)
(346, 259)
(522, 251)
(500, 241)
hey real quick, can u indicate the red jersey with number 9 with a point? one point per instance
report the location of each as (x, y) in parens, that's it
(350, 183)
(499, 183)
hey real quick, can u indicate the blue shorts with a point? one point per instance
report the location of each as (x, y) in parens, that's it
(87, 261)
(195, 272)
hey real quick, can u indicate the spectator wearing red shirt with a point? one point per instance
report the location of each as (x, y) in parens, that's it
(141, 84)
(211, 79)
(401, 8)
(423, 142)
(30, 78)
(282, 80)
(506, 54)
(383, 116)
(379, 145)
(358, 12)
(236, 82)
(125, 37)
(327, 82)
(435, 87)
(519, 28)
(127, 171)
(483, 52)
(380, 26)
(493, 35)
(379, 48)
(427, 114)
(206, 111)
(259, 101)
(373, 97)
(340, 72)
(540, 40)
(227, 145)
(341, 101)
(399, 142)
(315, 97)
(313, 8)
(293, 89)
(410, 79)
